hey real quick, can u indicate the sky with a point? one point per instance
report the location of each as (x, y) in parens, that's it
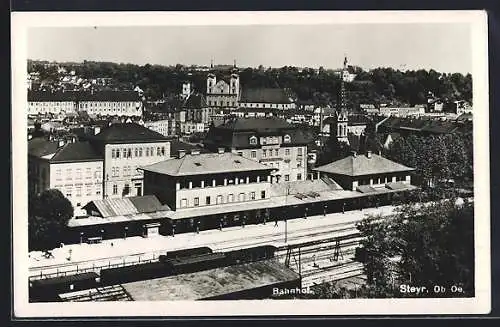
(444, 47)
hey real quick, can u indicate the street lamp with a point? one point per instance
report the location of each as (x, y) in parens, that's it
(324, 210)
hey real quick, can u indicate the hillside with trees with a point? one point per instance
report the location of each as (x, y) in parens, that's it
(380, 85)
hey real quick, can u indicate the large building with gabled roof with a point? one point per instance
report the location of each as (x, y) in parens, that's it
(367, 173)
(271, 141)
(207, 179)
(74, 168)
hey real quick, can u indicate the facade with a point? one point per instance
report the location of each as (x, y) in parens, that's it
(416, 111)
(103, 103)
(207, 179)
(165, 127)
(124, 148)
(366, 173)
(270, 141)
(266, 98)
(223, 90)
(74, 168)
(342, 125)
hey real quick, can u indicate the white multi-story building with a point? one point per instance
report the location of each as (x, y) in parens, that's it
(74, 168)
(103, 103)
(125, 147)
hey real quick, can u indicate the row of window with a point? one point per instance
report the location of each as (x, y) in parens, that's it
(270, 140)
(380, 180)
(266, 105)
(78, 174)
(221, 103)
(137, 152)
(220, 199)
(127, 171)
(106, 104)
(79, 190)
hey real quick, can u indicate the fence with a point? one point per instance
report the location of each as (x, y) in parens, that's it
(94, 268)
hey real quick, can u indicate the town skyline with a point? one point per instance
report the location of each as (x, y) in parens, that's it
(369, 46)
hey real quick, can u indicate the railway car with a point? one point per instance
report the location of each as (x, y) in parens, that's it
(251, 254)
(127, 274)
(188, 252)
(48, 289)
(196, 263)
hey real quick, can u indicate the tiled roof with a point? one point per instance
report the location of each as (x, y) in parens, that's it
(205, 163)
(77, 151)
(360, 165)
(40, 147)
(175, 146)
(126, 133)
(265, 95)
(236, 132)
(125, 206)
(70, 151)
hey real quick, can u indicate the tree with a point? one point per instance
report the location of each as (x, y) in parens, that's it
(333, 150)
(48, 216)
(423, 244)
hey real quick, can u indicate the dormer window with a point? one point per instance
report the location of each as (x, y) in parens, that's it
(287, 139)
(253, 140)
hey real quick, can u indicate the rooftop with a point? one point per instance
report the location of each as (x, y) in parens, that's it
(265, 95)
(69, 152)
(211, 283)
(126, 133)
(360, 165)
(129, 96)
(205, 163)
(126, 206)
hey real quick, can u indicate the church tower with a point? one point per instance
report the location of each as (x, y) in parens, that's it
(341, 113)
(211, 79)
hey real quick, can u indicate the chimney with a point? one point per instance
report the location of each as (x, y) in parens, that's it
(195, 152)
(368, 154)
(220, 150)
(182, 153)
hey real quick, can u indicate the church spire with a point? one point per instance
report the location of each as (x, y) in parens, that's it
(212, 63)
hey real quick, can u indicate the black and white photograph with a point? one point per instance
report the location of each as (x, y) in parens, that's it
(250, 163)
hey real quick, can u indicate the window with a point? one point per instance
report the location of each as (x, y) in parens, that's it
(287, 178)
(78, 190)
(129, 153)
(163, 151)
(78, 173)
(124, 153)
(115, 189)
(299, 177)
(264, 153)
(230, 198)
(287, 152)
(299, 164)
(287, 139)
(207, 200)
(58, 175)
(147, 152)
(113, 153)
(89, 190)
(69, 173)
(158, 151)
(196, 202)
(97, 174)
(299, 151)
(253, 140)
(68, 192)
(240, 153)
(276, 152)
(263, 194)
(253, 154)
(252, 195)
(241, 197)
(88, 174)
(136, 152)
(184, 203)
(140, 152)
(219, 199)
(117, 153)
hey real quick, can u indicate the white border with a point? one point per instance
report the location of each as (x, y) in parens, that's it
(481, 304)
